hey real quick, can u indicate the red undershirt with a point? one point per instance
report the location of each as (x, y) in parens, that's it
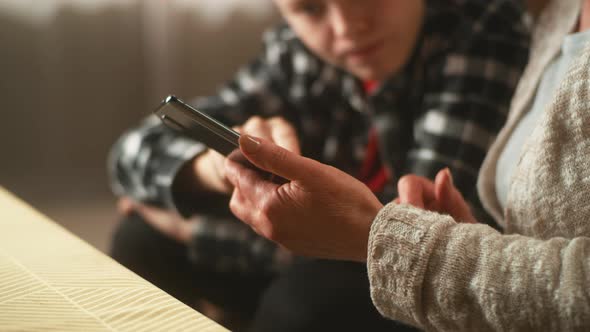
(373, 173)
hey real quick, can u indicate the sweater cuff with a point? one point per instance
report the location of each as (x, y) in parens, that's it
(401, 241)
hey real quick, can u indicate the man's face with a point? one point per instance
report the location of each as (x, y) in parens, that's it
(372, 39)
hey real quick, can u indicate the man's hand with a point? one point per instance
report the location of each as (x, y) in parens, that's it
(169, 223)
(209, 168)
(440, 196)
(321, 212)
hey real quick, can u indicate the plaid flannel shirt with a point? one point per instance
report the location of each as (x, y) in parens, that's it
(442, 110)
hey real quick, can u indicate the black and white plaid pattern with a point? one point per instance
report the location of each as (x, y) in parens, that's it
(442, 110)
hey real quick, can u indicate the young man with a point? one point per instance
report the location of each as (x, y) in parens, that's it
(377, 88)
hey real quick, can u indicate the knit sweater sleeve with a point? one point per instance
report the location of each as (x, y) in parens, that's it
(431, 272)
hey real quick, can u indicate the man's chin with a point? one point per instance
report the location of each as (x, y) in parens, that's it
(366, 73)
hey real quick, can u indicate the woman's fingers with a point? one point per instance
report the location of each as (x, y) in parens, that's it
(443, 187)
(248, 184)
(450, 199)
(440, 195)
(417, 191)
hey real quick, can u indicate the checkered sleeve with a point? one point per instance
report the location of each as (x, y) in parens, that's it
(144, 162)
(468, 96)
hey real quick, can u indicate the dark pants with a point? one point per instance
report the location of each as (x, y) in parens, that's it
(311, 295)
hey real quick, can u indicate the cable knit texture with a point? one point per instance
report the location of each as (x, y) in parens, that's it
(431, 272)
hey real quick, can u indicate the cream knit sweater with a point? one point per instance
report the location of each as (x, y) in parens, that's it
(427, 270)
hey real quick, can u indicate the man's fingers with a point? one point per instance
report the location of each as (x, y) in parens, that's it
(275, 129)
(152, 215)
(279, 161)
(125, 206)
(167, 222)
(284, 135)
(257, 126)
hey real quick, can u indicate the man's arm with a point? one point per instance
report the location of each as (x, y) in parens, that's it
(154, 165)
(149, 161)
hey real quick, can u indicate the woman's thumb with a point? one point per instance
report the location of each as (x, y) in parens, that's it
(451, 200)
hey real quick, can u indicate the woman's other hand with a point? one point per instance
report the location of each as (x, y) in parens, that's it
(441, 195)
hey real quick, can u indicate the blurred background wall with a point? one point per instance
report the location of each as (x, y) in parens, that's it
(74, 74)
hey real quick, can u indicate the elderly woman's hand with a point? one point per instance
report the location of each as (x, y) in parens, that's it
(440, 196)
(321, 211)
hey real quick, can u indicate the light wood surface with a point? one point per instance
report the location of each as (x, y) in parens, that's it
(51, 280)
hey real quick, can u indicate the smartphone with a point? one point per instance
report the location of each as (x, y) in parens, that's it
(184, 118)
